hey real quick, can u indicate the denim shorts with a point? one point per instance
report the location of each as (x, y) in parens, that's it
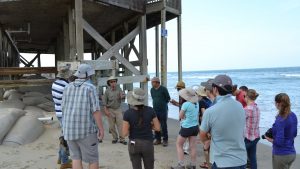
(188, 132)
(85, 149)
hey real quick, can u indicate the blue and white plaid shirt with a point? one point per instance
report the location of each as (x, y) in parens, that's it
(79, 102)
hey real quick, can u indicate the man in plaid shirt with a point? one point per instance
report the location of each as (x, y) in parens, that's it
(82, 119)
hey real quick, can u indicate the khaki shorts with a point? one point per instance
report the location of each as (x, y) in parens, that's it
(85, 149)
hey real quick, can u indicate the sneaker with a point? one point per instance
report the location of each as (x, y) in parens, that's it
(165, 143)
(123, 142)
(186, 153)
(65, 166)
(114, 141)
(178, 167)
(157, 142)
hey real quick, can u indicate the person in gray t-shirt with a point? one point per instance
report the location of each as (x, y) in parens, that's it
(225, 121)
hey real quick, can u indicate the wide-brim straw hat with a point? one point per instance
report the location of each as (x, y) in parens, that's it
(112, 78)
(201, 91)
(189, 95)
(136, 97)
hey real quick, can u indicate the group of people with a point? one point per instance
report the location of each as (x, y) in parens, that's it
(228, 127)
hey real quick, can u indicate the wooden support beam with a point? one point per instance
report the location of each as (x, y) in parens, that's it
(66, 37)
(4, 71)
(164, 59)
(179, 37)
(79, 29)
(20, 83)
(1, 48)
(72, 35)
(113, 50)
(143, 53)
(102, 64)
(125, 79)
(157, 51)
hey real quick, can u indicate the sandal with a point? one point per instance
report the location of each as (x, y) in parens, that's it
(204, 165)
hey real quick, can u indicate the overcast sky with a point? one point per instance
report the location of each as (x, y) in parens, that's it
(233, 34)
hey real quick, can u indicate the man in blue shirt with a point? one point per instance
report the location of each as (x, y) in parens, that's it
(225, 121)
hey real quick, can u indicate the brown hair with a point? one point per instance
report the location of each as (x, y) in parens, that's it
(252, 94)
(285, 105)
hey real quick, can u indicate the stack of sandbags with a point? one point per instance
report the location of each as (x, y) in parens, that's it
(27, 129)
(8, 118)
(12, 94)
(43, 101)
(18, 104)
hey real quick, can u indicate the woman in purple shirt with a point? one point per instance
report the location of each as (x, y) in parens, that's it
(284, 131)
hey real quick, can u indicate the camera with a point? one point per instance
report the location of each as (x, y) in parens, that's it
(268, 134)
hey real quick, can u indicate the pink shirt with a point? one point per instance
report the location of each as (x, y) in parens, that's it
(252, 122)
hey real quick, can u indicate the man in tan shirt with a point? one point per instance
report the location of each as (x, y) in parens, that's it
(112, 107)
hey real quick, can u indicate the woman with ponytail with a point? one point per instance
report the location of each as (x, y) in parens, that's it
(138, 123)
(252, 126)
(284, 131)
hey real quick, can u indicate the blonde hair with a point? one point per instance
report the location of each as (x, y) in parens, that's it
(285, 104)
(252, 94)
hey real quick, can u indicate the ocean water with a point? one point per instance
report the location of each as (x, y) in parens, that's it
(267, 82)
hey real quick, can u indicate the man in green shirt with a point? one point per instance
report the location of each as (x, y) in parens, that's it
(112, 107)
(161, 98)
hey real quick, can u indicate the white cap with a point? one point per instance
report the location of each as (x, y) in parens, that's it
(84, 71)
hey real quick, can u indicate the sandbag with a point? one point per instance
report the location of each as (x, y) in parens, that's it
(8, 93)
(18, 104)
(33, 94)
(15, 96)
(48, 106)
(49, 97)
(26, 130)
(33, 101)
(8, 118)
(34, 111)
(46, 89)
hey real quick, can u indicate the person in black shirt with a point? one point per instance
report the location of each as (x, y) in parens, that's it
(138, 123)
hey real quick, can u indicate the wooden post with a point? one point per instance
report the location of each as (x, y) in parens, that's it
(39, 59)
(71, 24)
(157, 51)
(66, 37)
(163, 47)
(1, 49)
(179, 37)
(128, 87)
(79, 29)
(143, 54)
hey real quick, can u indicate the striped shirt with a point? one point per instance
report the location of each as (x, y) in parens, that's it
(252, 122)
(58, 88)
(79, 102)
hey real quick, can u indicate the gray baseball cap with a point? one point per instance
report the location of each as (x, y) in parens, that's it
(223, 81)
(208, 84)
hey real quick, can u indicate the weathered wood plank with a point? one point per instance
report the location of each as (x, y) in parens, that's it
(89, 29)
(79, 29)
(4, 71)
(102, 64)
(125, 79)
(19, 83)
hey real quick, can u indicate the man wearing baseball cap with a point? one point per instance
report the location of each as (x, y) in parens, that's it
(161, 98)
(82, 119)
(225, 121)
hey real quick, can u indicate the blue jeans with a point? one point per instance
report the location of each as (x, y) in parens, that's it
(162, 117)
(251, 152)
(214, 166)
(62, 153)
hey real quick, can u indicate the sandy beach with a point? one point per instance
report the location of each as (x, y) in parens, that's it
(42, 154)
